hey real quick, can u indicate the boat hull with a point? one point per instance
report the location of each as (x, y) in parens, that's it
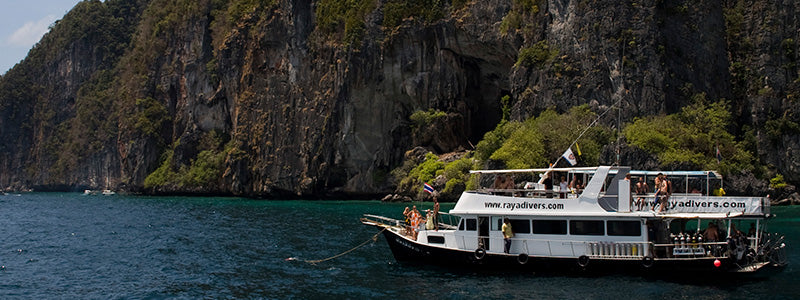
(409, 251)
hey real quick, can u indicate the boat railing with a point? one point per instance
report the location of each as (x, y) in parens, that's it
(529, 193)
(691, 250)
(556, 193)
(406, 229)
(632, 250)
(571, 248)
(448, 221)
(382, 221)
(616, 250)
(559, 194)
(710, 249)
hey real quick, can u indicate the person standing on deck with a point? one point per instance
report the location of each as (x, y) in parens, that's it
(657, 184)
(416, 220)
(641, 190)
(663, 193)
(407, 221)
(436, 213)
(429, 220)
(508, 233)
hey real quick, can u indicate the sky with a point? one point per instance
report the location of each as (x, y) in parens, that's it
(22, 24)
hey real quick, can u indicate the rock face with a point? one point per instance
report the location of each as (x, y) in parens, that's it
(293, 111)
(40, 101)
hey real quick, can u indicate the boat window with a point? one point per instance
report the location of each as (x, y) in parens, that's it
(432, 239)
(517, 225)
(550, 226)
(461, 225)
(520, 226)
(624, 228)
(497, 223)
(472, 224)
(586, 227)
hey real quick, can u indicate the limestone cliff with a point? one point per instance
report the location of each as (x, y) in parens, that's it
(312, 99)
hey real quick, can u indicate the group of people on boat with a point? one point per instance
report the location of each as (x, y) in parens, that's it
(654, 197)
(663, 190)
(504, 183)
(414, 220)
(716, 240)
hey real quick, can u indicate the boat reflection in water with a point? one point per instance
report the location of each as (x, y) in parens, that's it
(604, 227)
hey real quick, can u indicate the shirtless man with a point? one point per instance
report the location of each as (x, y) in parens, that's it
(436, 213)
(663, 190)
(641, 189)
(657, 186)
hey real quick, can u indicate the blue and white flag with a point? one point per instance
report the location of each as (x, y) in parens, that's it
(570, 157)
(429, 188)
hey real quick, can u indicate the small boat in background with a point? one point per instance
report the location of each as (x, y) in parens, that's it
(105, 192)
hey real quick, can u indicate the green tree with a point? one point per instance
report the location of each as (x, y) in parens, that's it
(150, 117)
(422, 119)
(542, 140)
(523, 149)
(692, 137)
(343, 18)
(494, 139)
(457, 174)
(539, 55)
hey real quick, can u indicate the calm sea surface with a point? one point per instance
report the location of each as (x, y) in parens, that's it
(72, 246)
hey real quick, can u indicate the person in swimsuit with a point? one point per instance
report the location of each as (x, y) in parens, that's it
(641, 189)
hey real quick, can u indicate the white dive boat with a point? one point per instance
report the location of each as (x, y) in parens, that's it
(604, 227)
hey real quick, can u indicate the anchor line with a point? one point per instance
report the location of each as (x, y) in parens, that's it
(374, 238)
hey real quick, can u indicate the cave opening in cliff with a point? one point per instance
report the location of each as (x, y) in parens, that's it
(483, 90)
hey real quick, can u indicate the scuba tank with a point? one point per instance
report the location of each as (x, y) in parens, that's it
(699, 241)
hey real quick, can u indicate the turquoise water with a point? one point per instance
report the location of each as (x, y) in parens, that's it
(122, 247)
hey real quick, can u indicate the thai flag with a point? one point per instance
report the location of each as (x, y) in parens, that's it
(428, 188)
(719, 155)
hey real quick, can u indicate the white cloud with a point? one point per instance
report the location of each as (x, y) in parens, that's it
(31, 32)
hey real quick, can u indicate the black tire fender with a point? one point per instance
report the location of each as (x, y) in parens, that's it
(583, 261)
(522, 258)
(647, 261)
(480, 253)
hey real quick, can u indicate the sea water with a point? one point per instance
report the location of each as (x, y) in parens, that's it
(71, 246)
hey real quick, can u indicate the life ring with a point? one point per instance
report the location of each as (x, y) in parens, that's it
(583, 261)
(480, 253)
(522, 258)
(647, 261)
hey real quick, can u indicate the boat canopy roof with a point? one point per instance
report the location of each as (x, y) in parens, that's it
(592, 170)
(702, 215)
(606, 193)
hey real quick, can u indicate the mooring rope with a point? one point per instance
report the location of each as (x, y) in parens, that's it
(374, 238)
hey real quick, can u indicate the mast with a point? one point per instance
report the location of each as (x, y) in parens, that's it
(619, 103)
